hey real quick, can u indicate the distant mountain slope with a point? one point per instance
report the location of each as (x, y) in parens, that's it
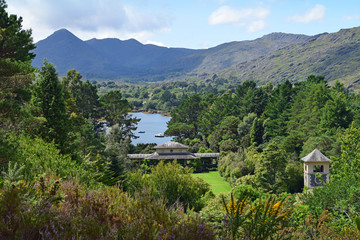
(335, 56)
(106, 58)
(228, 54)
(114, 58)
(66, 51)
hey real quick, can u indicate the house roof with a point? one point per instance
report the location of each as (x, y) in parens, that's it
(172, 145)
(315, 156)
(171, 156)
(139, 156)
(207, 155)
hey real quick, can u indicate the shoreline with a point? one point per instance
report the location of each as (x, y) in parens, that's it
(165, 114)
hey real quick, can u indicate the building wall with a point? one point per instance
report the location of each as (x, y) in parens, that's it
(174, 150)
(309, 172)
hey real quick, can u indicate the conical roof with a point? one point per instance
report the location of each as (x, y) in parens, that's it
(172, 145)
(315, 156)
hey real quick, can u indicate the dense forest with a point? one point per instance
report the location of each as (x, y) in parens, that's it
(64, 177)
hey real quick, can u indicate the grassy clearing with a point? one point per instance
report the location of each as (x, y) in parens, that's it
(217, 183)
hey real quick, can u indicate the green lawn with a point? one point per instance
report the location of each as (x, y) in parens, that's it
(217, 183)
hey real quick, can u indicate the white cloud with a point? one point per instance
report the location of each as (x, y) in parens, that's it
(317, 13)
(351, 17)
(253, 18)
(256, 26)
(95, 18)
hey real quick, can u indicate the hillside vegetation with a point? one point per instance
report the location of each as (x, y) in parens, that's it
(334, 55)
(64, 177)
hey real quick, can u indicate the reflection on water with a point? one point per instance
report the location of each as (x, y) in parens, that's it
(151, 124)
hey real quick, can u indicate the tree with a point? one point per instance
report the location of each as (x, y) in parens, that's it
(277, 108)
(115, 110)
(115, 153)
(221, 107)
(336, 112)
(83, 93)
(15, 67)
(176, 184)
(270, 174)
(244, 129)
(188, 113)
(15, 45)
(256, 132)
(114, 106)
(348, 164)
(48, 100)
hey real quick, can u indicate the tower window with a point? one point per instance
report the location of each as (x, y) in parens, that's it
(319, 168)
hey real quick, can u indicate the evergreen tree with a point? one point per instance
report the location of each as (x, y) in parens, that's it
(257, 131)
(277, 109)
(15, 45)
(186, 117)
(84, 94)
(15, 68)
(48, 100)
(270, 173)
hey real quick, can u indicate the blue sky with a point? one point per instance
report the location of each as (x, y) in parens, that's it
(185, 23)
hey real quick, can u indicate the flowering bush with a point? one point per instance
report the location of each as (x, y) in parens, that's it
(257, 220)
(50, 209)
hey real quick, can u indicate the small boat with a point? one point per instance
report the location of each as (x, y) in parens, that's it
(141, 131)
(159, 135)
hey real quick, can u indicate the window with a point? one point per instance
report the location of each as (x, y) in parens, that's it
(171, 150)
(318, 168)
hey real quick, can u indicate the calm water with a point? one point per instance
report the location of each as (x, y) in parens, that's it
(152, 124)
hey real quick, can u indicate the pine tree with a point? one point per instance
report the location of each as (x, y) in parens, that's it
(48, 100)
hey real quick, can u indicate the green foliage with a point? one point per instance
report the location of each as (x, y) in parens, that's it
(271, 171)
(48, 101)
(15, 45)
(174, 184)
(244, 129)
(35, 157)
(13, 175)
(64, 210)
(348, 162)
(84, 94)
(115, 107)
(340, 197)
(257, 220)
(337, 112)
(115, 152)
(256, 133)
(16, 73)
(235, 213)
(247, 190)
(187, 114)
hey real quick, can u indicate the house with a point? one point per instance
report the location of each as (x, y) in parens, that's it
(171, 151)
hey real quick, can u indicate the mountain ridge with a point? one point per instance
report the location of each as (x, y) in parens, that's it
(333, 55)
(275, 57)
(115, 58)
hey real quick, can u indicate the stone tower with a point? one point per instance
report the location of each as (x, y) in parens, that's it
(316, 169)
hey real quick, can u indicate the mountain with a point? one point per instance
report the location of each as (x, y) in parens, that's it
(228, 54)
(275, 57)
(333, 55)
(116, 59)
(106, 58)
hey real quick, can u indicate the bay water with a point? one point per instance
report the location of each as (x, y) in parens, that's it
(151, 124)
